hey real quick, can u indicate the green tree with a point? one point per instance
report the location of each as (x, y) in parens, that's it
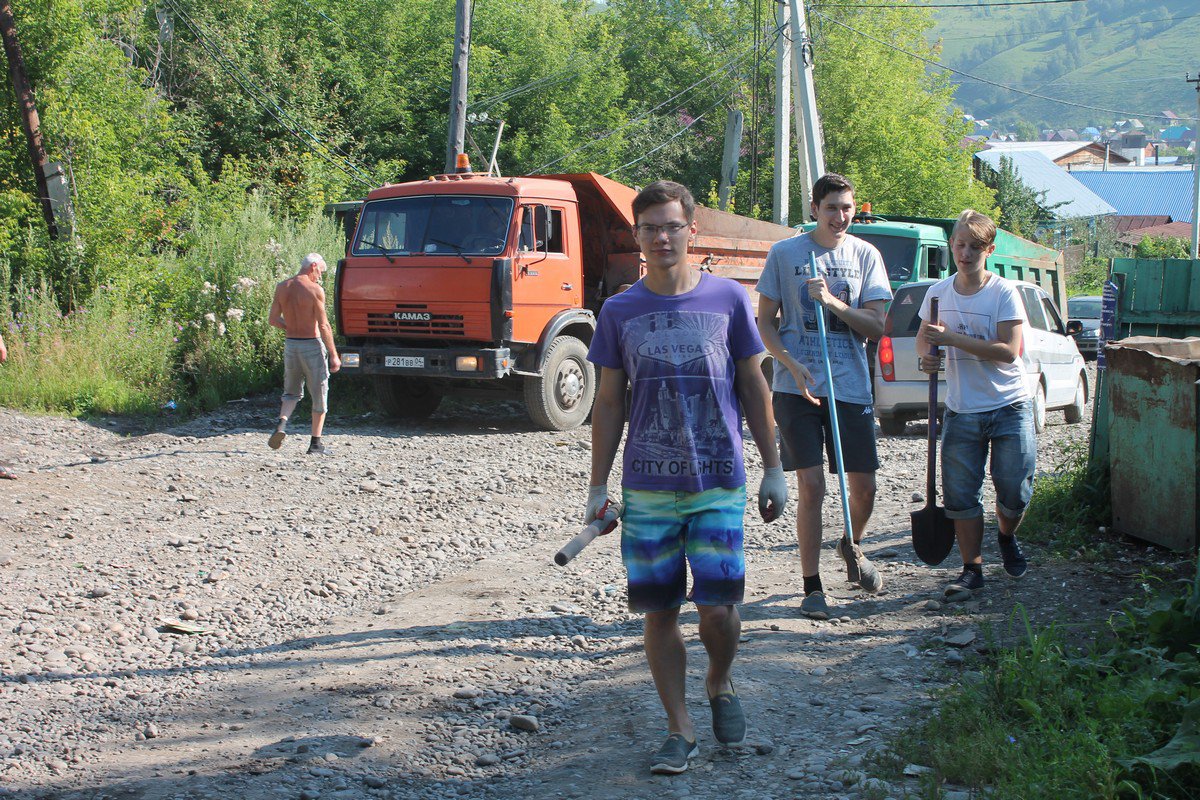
(890, 123)
(1020, 206)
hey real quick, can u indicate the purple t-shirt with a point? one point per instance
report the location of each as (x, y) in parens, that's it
(685, 428)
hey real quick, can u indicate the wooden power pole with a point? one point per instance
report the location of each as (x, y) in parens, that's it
(458, 82)
(29, 115)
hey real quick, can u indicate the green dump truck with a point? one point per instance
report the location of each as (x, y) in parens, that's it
(919, 247)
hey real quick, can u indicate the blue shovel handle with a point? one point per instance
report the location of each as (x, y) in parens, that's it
(833, 417)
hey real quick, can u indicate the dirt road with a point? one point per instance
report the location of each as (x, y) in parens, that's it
(387, 621)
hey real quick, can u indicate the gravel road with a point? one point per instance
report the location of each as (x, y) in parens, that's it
(188, 614)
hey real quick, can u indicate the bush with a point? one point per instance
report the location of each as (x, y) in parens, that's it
(1069, 503)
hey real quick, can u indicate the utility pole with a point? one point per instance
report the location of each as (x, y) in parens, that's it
(1196, 177)
(729, 159)
(458, 82)
(811, 150)
(783, 110)
(29, 116)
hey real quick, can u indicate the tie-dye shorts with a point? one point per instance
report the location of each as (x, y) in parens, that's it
(663, 532)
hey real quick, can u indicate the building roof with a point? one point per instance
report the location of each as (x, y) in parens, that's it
(1171, 230)
(1125, 223)
(1041, 174)
(1058, 150)
(1138, 190)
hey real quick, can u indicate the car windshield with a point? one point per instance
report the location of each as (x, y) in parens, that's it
(1083, 308)
(434, 224)
(899, 254)
(902, 318)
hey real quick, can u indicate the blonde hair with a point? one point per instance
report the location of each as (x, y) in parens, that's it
(978, 226)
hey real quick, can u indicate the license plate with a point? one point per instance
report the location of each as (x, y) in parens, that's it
(408, 362)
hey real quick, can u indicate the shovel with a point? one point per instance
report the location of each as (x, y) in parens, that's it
(932, 530)
(833, 417)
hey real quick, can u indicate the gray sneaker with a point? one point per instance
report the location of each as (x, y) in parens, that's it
(672, 757)
(728, 719)
(814, 606)
(859, 568)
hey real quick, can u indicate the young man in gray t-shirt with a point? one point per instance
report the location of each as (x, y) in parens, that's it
(854, 290)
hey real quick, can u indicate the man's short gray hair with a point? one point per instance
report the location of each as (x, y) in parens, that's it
(310, 259)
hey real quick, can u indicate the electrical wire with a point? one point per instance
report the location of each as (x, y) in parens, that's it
(259, 95)
(944, 5)
(1035, 34)
(1013, 89)
(675, 135)
(723, 69)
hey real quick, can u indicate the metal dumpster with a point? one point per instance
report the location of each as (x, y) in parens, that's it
(1154, 447)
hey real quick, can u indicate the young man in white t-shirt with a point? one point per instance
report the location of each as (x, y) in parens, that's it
(980, 321)
(853, 288)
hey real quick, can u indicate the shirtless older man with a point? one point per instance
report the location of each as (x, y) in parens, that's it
(309, 354)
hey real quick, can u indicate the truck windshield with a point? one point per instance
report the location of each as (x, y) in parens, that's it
(899, 254)
(403, 226)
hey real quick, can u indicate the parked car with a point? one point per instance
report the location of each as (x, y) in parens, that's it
(1086, 309)
(1054, 369)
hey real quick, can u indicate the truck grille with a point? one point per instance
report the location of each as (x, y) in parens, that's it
(414, 319)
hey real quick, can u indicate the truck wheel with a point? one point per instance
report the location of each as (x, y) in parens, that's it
(561, 397)
(892, 426)
(1074, 412)
(401, 397)
(1039, 408)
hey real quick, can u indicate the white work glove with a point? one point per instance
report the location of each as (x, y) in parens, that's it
(599, 504)
(772, 493)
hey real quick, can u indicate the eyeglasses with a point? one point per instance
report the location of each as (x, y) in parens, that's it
(670, 229)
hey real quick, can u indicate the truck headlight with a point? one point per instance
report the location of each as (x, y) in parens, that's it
(350, 360)
(466, 363)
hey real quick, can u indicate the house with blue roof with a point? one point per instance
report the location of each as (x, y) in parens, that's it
(1137, 191)
(1063, 197)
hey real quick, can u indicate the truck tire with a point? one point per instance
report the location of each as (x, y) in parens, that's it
(561, 397)
(1074, 412)
(402, 397)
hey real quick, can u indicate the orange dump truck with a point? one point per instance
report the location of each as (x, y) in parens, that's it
(469, 283)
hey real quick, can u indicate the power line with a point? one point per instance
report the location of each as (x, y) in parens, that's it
(673, 136)
(259, 95)
(1013, 89)
(1038, 33)
(944, 5)
(724, 68)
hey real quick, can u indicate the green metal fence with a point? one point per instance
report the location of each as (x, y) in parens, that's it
(1157, 297)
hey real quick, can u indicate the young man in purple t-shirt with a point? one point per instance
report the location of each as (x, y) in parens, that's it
(686, 344)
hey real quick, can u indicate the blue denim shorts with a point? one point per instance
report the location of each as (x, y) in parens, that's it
(966, 438)
(662, 533)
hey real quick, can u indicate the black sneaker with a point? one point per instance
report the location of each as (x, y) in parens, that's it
(316, 450)
(728, 719)
(672, 757)
(965, 585)
(1010, 553)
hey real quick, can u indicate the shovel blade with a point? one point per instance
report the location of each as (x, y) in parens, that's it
(932, 534)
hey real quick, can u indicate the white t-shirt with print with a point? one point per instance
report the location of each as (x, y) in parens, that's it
(975, 384)
(856, 274)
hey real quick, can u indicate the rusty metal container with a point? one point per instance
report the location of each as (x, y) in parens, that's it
(1154, 391)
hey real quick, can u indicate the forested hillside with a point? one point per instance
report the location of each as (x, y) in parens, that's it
(1127, 56)
(201, 140)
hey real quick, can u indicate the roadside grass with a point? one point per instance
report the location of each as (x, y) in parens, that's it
(1070, 502)
(102, 358)
(189, 334)
(1118, 718)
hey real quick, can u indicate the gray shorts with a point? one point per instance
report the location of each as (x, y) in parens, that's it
(306, 361)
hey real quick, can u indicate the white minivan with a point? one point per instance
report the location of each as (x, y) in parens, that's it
(1054, 368)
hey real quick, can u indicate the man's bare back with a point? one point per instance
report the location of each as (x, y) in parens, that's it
(300, 307)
